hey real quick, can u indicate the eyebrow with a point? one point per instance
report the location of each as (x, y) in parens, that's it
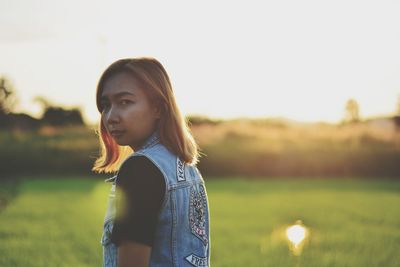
(117, 95)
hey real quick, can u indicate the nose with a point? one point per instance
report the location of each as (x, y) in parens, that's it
(112, 116)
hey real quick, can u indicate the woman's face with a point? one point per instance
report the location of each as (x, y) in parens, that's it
(127, 112)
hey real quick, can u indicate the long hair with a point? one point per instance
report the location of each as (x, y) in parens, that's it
(173, 129)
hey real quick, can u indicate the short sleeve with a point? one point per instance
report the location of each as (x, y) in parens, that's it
(143, 188)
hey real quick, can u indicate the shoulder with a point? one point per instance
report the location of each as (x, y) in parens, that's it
(139, 170)
(161, 156)
(138, 163)
(158, 152)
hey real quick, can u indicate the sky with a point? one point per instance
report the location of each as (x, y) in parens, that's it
(295, 59)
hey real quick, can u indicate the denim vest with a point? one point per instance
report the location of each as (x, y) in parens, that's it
(182, 236)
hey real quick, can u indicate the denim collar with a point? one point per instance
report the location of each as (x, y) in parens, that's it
(152, 140)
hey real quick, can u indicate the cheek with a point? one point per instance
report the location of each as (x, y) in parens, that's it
(131, 111)
(137, 110)
(132, 116)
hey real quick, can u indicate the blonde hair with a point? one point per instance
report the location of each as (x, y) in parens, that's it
(173, 129)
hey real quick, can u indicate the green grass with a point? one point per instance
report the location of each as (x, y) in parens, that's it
(351, 222)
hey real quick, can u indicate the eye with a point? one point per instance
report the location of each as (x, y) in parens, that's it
(125, 102)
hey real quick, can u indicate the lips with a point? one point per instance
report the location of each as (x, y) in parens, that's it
(116, 133)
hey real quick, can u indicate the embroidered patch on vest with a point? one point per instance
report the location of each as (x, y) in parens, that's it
(180, 170)
(196, 260)
(197, 213)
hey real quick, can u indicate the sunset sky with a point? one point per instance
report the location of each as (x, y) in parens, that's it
(295, 59)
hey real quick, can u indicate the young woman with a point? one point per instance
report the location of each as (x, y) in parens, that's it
(157, 212)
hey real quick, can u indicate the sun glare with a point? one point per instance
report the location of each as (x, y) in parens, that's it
(296, 234)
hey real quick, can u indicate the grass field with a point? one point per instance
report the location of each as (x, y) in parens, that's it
(351, 222)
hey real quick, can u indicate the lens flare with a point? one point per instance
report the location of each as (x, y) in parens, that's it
(296, 234)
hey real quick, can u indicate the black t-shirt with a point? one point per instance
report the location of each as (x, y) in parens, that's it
(143, 186)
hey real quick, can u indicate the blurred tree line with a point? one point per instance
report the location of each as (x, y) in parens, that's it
(60, 143)
(52, 115)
